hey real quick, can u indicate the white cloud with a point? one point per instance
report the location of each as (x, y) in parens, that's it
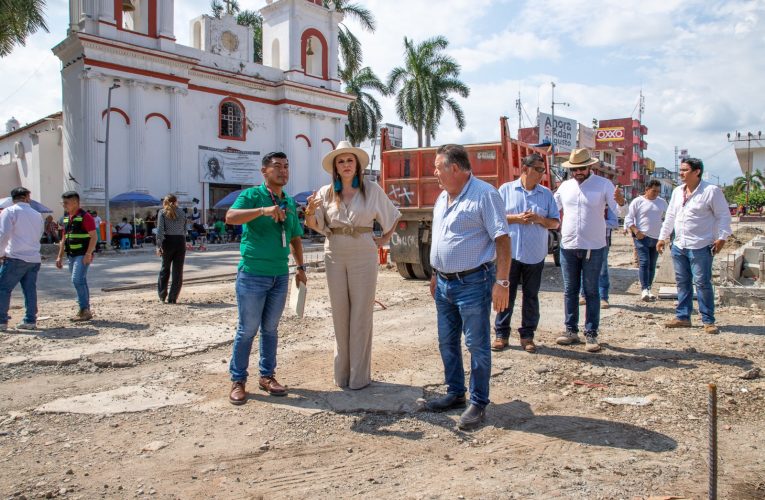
(503, 46)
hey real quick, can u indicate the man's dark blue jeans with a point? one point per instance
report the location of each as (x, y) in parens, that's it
(464, 304)
(13, 272)
(529, 277)
(581, 266)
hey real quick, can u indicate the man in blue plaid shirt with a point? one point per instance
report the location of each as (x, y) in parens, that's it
(469, 234)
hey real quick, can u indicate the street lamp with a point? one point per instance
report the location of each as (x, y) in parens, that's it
(749, 137)
(106, 164)
(552, 142)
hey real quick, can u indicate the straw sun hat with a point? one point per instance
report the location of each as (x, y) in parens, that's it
(579, 158)
(344, 147)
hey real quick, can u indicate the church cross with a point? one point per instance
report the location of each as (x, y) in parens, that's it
(228, 6)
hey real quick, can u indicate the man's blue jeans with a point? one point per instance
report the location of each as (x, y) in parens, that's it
(13, 272)
(647, 258)
(581, 270)
(464, 304)
(694, 267)
(260, 300)
(604, 283)
(79, 271)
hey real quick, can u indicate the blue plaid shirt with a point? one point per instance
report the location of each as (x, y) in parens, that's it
(464, 233)
(529, 241)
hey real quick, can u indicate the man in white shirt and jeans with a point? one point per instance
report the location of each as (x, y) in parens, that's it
(699, 216)
(583, 200)
(21, 228)
(643, 221)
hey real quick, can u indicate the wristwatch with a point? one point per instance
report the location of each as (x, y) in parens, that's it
(503, 283)
(301, 267)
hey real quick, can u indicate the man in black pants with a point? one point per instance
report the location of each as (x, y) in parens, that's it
(531, 211)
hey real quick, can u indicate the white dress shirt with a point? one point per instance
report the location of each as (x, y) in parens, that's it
(21, 228)
(583, 226)
(646, 215)
(698, 221)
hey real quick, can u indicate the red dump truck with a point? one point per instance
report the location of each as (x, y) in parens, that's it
(407, 177)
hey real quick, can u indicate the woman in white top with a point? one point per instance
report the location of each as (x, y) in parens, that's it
(643, 221)
(345, 211)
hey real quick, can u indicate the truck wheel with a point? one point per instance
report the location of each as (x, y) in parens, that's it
(556, 257)
(419, 271)
(404, 270)
(425, 260)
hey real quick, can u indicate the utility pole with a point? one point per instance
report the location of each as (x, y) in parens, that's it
(749, 138)
(519, 108)
(552, 100)
(106, 164)
(641, 168)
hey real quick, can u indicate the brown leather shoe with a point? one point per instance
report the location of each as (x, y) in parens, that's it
(271, 386)
(711, 329)
(238, 394)
(83, 315)
(678, 323)
(499, 344)
(528, 345)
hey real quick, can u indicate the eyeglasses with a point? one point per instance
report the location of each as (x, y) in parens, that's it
(578, 169)
(540, 170)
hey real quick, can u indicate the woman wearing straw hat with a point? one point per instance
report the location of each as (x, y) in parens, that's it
(344, 211)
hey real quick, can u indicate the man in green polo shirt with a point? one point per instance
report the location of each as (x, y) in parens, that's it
(270, 227)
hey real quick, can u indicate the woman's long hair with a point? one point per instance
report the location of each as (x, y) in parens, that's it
(170, 206)
(336, 179)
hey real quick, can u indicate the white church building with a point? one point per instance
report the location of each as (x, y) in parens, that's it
(191, 120)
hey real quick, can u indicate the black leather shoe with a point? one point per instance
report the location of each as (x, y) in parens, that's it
(446, 402)
(471, 418)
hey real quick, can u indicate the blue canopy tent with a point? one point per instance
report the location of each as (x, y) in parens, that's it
(302, 198)
(229, 200)
(7, 202)
(134, 199)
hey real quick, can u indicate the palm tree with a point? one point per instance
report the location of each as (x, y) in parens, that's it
(444, 83)
(249, 18)
(18, 20)
(426, 80)
(755, 182)
(363, 113)
(350, 47)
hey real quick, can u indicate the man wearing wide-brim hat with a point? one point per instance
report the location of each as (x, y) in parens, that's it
(583, 199)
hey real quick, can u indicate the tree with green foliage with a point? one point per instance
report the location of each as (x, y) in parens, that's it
(756, 181)
(364, 113)
(756, 199)
(423, 86)
(18, 20)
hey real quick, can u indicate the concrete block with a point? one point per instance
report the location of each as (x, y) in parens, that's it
(665, 274)
(742, 296)
(731, 271)
(751, 270)
(752, 254)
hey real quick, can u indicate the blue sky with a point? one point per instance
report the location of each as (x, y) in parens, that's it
(699, 63)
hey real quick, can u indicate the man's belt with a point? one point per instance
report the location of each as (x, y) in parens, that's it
(462, 274)
(351, 231)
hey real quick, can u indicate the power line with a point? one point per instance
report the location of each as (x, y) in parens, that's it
(23, 83)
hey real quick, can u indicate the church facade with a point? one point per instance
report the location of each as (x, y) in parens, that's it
(195, 120)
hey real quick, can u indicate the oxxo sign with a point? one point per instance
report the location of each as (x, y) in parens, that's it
(565, 132)
(610, 134)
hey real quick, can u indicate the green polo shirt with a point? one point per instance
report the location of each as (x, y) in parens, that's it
(262, 251)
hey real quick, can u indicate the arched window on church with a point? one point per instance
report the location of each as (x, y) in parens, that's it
(232, 120)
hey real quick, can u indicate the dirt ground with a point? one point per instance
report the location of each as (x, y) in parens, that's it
(134, 404)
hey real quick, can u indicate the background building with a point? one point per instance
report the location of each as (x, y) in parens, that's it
(191, 120)
(625, 137)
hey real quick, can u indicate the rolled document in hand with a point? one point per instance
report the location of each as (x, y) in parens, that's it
(297, 299)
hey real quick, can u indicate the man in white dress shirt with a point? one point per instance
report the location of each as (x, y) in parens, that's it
(643, 221)
(699, 216)
(21, 228)
(583, 200)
